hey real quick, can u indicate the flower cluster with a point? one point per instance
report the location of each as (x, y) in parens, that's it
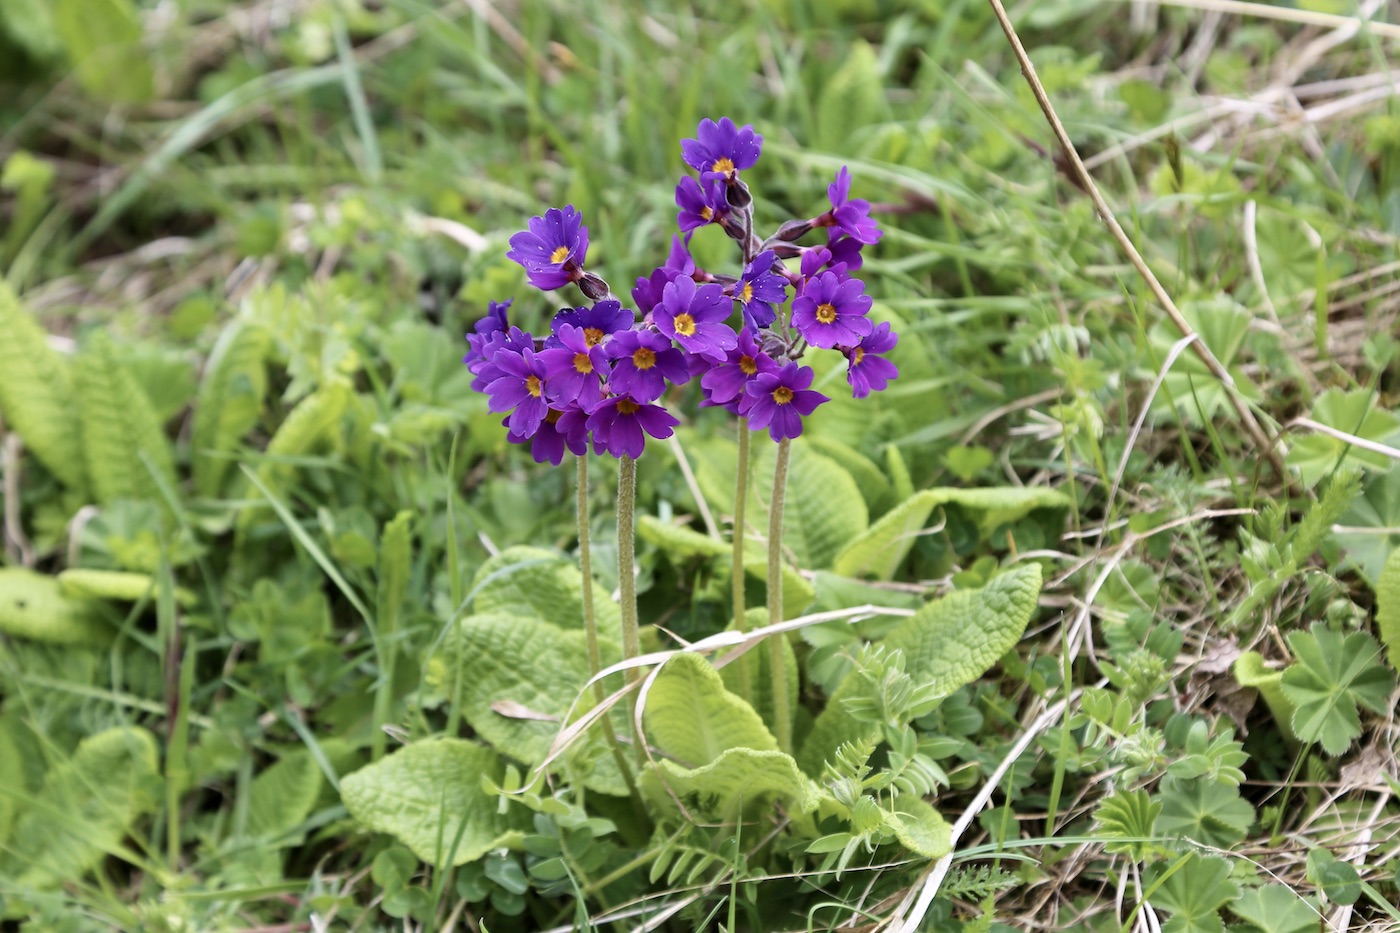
(600, 374)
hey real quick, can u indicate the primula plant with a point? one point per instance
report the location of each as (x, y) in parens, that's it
(716, 749)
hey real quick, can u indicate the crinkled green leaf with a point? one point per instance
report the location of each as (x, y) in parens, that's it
(682, 543)
(691, 717)
(1388, 609)
(1333, 674)
(1276, 908)
(950, 642)
(824, 509)
(1194, 894)
(283, 795)
(229, 403)
(919, 827)
(544, 585)
(121, 433)
(1205, 810)
(429, 796)
(36, 394)
(85, 810)
(758, 661)
(737, 781)
(33, 605)
(11, 781)
(874, 487)
(518, 678)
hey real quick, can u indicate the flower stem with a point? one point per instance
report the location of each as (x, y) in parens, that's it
(627, 583)
(777, 658)
(590, 625)
(741, 494)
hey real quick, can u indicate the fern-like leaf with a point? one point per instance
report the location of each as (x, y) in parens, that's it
(120, 430)
(36, 393)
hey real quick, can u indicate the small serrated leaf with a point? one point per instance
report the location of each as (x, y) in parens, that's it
(1332, 676)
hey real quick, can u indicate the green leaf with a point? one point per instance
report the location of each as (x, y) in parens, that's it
(950, 642)
(1276, 908)
(853, 96)
(824, 509)
(103, 39)
(1331, 676)
(900, 481)
(1250, 671)
(283, 795)
(11, 781)
(544, 585)
(395, 557)
(1388, 609)
(1125, 820)
(759, 659)
(81, 583)
(34, 606)
(429, 796)
(692, 718)
(919, 827)
(1206, 811)
(874, 488)
(1315, 455)
(1369, 527)
(738, 781)
(87, 807)
(518, 678)
(36, 394)
(681, 544)
(229, 403)
(121, 433)
(1194, 894)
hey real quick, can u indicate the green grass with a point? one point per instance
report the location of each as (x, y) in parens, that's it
(276, 179)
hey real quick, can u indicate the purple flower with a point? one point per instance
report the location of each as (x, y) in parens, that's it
(724, 384)
(494, 323)
(700, 205)
(597, 322)
(845, 254)
(647, 293)
(848, 215)
(759, 289)
(484, 367)
(645, 362)
(520, 387)
(830, 312)
(721, 149)
(818, 258)
(780, 400)
(553, 249)
(694, 317)
(865, 370)
(556, 432)
(620, 425)
(574, 369)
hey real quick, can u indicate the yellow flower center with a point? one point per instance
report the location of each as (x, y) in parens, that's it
(826, 313)
(706, 214)
(553, 415)
(724, 165)
(582, 364)
(685, 325)
(560, 254)
(533, 385)
(782, 395)
(856, 356)
(593, 336)
(747, 294)
(747, 366)
(626, 406)
(643, 359)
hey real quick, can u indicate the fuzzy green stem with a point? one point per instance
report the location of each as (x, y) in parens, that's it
(590, 626)
(627, 583)
(777, 658)
(741, 494)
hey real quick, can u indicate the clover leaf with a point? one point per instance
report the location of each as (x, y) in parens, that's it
(1331, 677)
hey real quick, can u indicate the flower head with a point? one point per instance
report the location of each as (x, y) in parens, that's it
(598, 322)
(780, 400)
(495, 322)
(722, 150)
(483, 365)
(694, 317)
(848, 215)
(830, 312)
(575, 368)
(553, 249)
(866, 370)
(646, 361)
(759, 289)
(520, 390)
(699, 204)
(647, 293)
(724, 384)
(620, 425)
(557, 431)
